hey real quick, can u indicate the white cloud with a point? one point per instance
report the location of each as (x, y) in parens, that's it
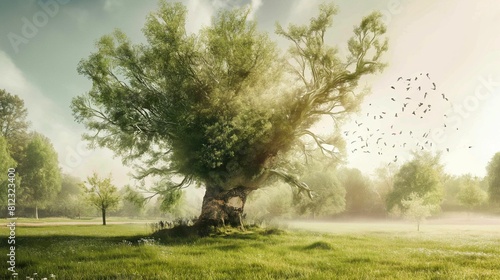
(13, 81)
(303, 10)
(112, 5)
(254, 7)
(80, 16)
(199, 15)
(200, 12)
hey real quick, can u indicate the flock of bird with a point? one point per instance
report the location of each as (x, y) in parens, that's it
(403, 121)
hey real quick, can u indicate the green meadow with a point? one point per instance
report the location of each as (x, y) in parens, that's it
(351, 250)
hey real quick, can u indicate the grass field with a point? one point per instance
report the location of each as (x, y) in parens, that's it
(358, 250)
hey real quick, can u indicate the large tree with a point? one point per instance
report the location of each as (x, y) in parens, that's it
(223, 107)
(493, 176)
(101, 194)
(13, 123)
(41, 178)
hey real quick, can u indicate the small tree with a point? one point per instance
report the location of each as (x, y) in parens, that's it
(470, 194)
(101, 194)
(415, 209)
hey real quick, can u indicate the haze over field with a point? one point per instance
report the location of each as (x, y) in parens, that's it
(452, 40)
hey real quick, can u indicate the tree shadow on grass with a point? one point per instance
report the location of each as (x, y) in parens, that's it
(62, 254)
(190, 234)
(50, 253)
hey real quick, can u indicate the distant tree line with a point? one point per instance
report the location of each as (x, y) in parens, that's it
(42, 189)
(415, 190)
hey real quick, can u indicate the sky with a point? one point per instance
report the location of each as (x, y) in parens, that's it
(454, 41)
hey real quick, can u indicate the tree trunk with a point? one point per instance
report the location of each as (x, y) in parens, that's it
(36, 212)
(222, 207)
(103, 216)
